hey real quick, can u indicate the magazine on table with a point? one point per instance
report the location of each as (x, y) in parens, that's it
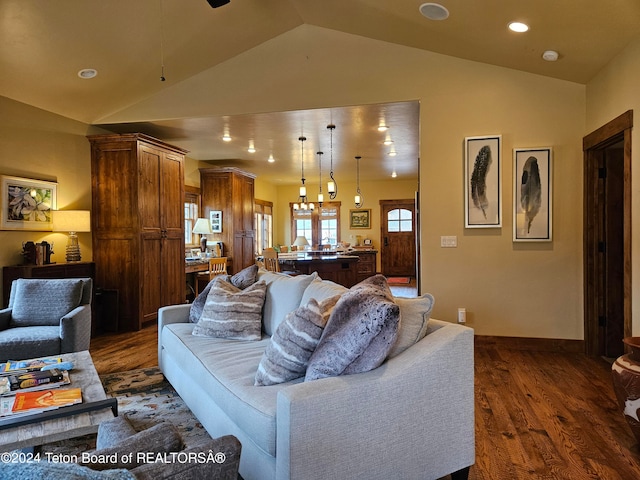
(29, 403)
(17, 366)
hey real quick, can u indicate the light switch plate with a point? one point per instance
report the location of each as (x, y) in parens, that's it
(449, 241)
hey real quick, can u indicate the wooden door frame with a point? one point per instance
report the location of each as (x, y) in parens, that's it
(414, 204)
(593, 144)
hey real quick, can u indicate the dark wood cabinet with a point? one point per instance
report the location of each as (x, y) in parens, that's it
(231, 191)
(367, 264)
(138, 223)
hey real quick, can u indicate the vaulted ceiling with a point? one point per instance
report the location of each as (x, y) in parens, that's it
(132, 44)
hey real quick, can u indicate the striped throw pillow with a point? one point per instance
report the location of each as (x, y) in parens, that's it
(287, 354)
(232, 313)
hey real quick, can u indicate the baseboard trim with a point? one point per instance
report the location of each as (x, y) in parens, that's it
(532, 344)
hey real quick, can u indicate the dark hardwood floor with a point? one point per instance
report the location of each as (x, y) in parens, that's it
(539, 414)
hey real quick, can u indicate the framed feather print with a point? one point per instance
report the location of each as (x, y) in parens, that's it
(483, 188)
(532, 195)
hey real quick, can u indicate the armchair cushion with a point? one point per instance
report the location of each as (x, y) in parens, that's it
(44, 302)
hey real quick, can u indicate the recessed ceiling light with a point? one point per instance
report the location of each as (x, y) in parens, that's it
(518, 27)
(434, 11)
(550, 55)
(87, 73)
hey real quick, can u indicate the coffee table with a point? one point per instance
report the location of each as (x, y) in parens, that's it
(80, 419)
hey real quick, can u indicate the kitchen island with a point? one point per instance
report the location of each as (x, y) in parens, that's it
(340, 269)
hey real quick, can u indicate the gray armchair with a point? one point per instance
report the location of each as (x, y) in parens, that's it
(46, 317)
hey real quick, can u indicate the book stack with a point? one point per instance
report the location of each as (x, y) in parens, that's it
(25, 389)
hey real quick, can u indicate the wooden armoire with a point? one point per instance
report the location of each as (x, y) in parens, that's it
(231, 191)
(137, 185)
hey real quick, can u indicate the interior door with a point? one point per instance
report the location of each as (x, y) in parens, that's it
(398, 234)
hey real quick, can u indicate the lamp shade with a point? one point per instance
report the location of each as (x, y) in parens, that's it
(71, 221)
(301, 241)
(202, 226)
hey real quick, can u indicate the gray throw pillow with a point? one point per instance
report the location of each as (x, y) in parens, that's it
(360, 332)
(232, 313)
(414, 320)
(44, 302)
(243, 279)
(287, 354)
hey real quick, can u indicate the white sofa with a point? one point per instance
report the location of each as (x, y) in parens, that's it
(410, 418)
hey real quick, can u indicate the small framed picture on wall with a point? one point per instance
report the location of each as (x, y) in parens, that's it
(216, 221)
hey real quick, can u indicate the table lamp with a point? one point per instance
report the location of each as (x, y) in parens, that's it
(203, 227)
(72, 221)
(301, 241)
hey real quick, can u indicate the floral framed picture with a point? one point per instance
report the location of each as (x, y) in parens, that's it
(360, 218)
(483, 177)
(27, 204)
(532, 195)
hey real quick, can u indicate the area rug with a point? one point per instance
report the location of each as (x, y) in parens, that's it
(398, 280)
(145, 398)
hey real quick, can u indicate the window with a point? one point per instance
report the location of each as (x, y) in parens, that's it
(320, 227)
(191, 211)
(400, 220)
(263, 219)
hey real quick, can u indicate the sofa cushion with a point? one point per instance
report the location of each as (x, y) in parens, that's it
(44, 302)
(226, 370)
(287, 354)
(243, 279)
(321, 290)
(360, 333)
(284, 293)
(414, 318)
(232, 313)
(60, 471)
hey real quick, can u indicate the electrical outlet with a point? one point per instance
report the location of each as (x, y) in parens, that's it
(462, 315)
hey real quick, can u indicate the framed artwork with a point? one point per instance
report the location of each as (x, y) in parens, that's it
(532, 195)
(360, 218)
(27, 204)
(216, 221)
(483, 174)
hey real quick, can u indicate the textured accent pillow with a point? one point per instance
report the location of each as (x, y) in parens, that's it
(44, 302)
(284, 293)
(243, 279)
(360, 332)
(232, 313)
(414, 319)
(287, 354)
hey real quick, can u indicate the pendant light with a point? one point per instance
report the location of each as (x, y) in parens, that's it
(320, 195)
(359, 200)
(332, 185)
(302, 198)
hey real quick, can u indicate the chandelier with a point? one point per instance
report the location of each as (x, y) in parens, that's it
(302, 204)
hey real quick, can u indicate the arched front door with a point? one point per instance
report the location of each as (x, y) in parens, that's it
(398, 238)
